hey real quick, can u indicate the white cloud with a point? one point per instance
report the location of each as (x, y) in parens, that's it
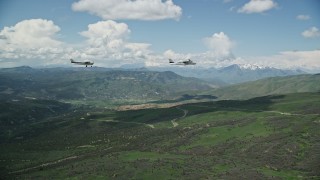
(106, 36)
(170, 54)
(138, 50)
(257, 6)
(303, 17)
(289, 59)
(110, 29)
(130, 9)
(34, 33)
(312, 32)
(219, 44)
(31, 42)
(108, 41)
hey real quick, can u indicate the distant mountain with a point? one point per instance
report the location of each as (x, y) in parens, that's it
(231, 74)
(95, 84)
(269, 86)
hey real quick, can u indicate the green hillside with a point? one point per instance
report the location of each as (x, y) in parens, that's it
(54, 124)
(269, 86)
(19, 116)
(92, 86)
(271, 137)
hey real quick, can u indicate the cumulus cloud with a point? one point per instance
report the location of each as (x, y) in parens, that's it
(108, 40)
(138, 50)
(106, 36)
(34, 33)
(32, 40)
(303, 17)
(130, 9)
(109, 28)
(312, 32)
(257, 6)
(219, 44)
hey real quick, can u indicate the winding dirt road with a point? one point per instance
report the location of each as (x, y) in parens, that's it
(174, 121)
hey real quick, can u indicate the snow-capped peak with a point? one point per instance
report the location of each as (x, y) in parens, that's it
(251, 66)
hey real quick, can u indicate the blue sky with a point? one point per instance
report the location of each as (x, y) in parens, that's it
(215, 33)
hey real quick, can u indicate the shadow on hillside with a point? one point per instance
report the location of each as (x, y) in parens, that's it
(258, 103)
(151, 116)
(186, 97)
(252, 105)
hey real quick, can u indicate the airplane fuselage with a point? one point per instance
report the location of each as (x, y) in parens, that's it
(86, 63)
(189, 62)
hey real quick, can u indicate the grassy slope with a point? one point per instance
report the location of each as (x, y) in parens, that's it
(22, 116)
(273, 136)
(275, 85)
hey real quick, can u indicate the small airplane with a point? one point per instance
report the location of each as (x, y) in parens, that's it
(188, 62)
(90, 63)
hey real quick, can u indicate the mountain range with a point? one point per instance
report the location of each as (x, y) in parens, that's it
(95, 84)
(269, 86)
(232, 74)
(112, 86)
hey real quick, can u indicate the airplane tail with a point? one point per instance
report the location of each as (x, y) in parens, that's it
(72, 61)
(171, 61)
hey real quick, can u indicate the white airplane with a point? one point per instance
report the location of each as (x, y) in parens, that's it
(90, 63)
(187, 62)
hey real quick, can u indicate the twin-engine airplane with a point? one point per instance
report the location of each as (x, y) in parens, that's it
(188, 62)
(90, 63)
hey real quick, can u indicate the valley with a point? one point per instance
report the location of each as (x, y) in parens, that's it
(186, 135)
(159, 90)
